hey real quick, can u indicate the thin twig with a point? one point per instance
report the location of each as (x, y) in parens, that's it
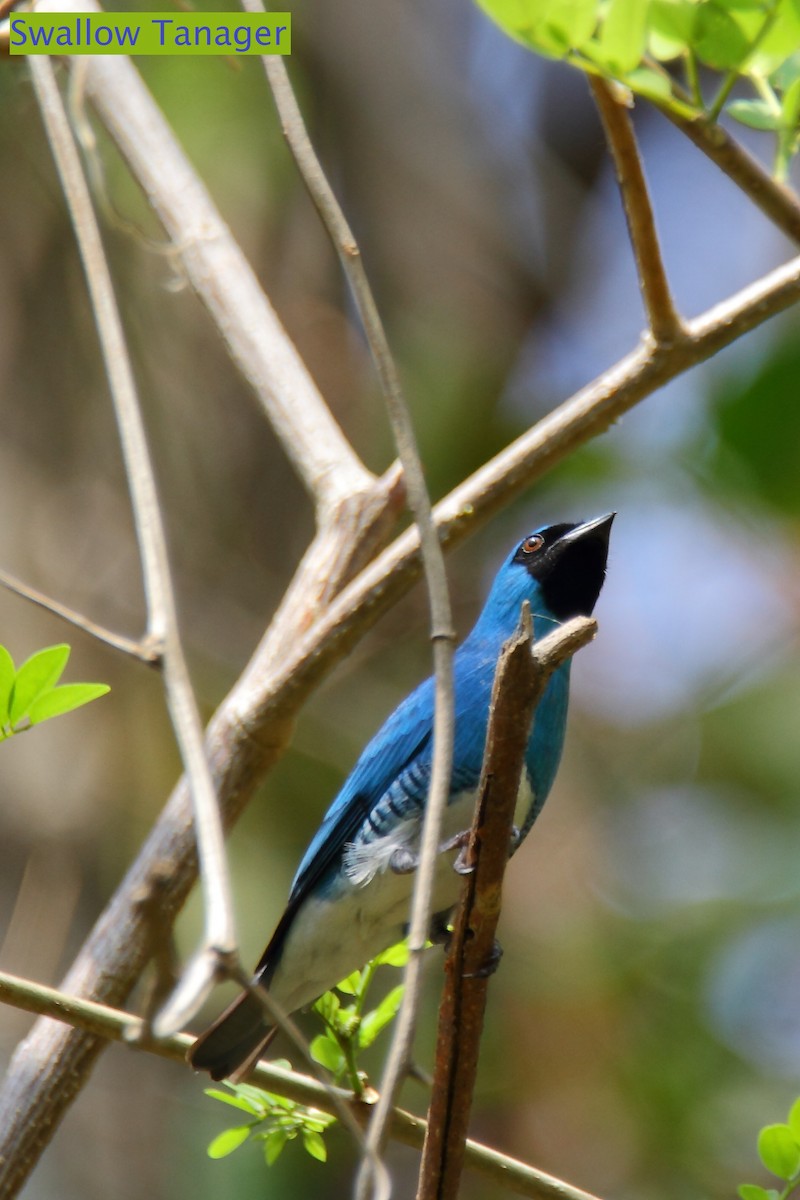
(114, 1025)
(664, 319)
(775, 199)
(220, 934)
(442, 632)
(145, 651)
(520, 679)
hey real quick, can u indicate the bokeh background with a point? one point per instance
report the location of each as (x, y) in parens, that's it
(646, 1019)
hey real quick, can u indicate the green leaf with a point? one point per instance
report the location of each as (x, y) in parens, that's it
(794, 1119)
(395, 956)
(779, 1151)
(351, 985)
(719, 40)
(751, 1191)
(314, 1145)
(274, 1142)
(229, 1140)
(553, 27)
(670, 27)
(623, 36)
(780, 41)
(327, 1052)
(757, 114)
(234, 1101)
(790, 104)
(7, 673)
(373, 1022)
(328, 1007)
(571, 22)
(647, 82)
(38, 674)
(64, 699)
(257, 1098)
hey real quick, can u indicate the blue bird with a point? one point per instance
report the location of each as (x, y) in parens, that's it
(350, 898)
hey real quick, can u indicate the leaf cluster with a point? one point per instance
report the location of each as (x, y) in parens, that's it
(349, 1029)
(274, 1121)
(32, 693)
(656, 48)
(779, 1151)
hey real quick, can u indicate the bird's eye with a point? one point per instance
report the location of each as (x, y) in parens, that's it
(532, 543)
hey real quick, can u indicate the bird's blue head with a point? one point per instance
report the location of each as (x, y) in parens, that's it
(559, 568)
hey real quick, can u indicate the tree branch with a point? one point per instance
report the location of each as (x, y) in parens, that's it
(663, 318)
(110, 1024)
(521, 677)
(220, 933)
(442, 631)
(777, 201)
(144, 650)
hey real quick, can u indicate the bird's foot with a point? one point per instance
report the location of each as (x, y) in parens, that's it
(490, 965)
(405, 862)
(460, 842)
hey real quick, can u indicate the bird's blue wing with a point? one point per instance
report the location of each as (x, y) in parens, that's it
(399, 741)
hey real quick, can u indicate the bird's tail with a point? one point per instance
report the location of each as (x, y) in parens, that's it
(230, 1048)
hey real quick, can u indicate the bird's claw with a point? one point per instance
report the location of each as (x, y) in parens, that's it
(490, 965)
(405, 862)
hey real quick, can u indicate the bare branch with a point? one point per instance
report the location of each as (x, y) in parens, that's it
(220, 931)
(112, 1024)
(145, 651)
(520, 679)
(664, 319)
(777, 201)
(442, 631)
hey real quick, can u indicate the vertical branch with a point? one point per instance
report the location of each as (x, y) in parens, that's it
(663, 318)
(520, 680)
(442, 632)
(162, 630)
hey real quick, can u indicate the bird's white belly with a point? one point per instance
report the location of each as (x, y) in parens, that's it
(331, 937)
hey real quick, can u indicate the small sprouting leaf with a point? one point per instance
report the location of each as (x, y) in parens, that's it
(274, 1142)
(235, 1101)
(64, 699)
(647, 82)
(373, 1022)
(38, 674)
(752, 1191)
(758, 114)
(351, 985)
(326, 1051)
(314, 1145)
(328, 1007)
(229, 1140)
(7, 673)
(779, 1151)
(395, 956)
(257, 1098)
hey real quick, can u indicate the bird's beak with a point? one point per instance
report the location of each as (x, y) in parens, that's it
(598, 529)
